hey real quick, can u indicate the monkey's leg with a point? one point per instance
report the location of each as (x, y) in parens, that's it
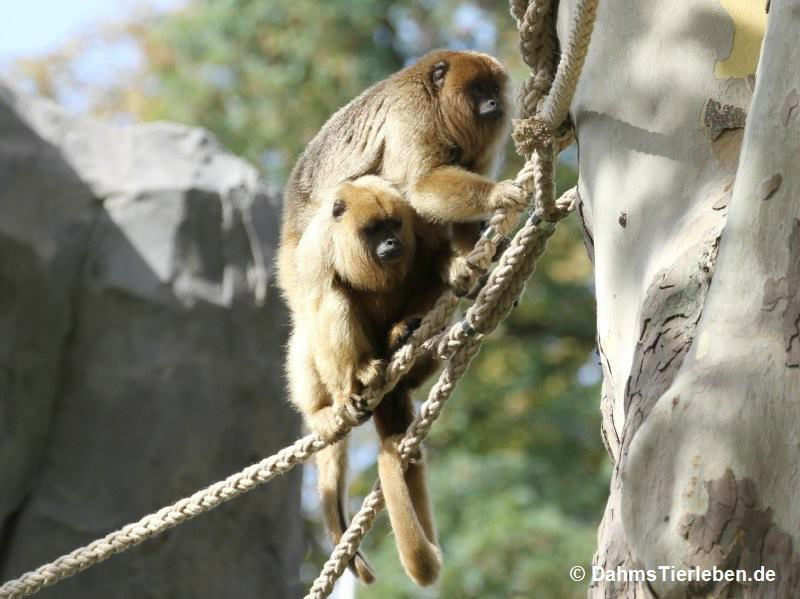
(332, 484)
(400, 410)
(309, 394)
(406, 493)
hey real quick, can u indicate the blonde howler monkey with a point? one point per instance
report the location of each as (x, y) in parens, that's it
(367, 278)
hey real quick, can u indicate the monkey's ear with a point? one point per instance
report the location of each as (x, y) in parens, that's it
(438, 73)
(338, 208)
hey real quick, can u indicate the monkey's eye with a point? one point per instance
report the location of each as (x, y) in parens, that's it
(454, 155)
(394, 224)
(338, 208)
(438, 73)
(372, 229)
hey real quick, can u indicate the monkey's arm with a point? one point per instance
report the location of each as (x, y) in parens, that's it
(307, 392)
(343, 352)
(453, 194)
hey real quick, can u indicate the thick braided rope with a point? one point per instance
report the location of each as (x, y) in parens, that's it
(349, 415)
(164, 519)
(556, 105)
(422, 341)
(538, 45)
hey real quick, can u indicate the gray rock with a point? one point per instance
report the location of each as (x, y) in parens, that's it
(140, 355)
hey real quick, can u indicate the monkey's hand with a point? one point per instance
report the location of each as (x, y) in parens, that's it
(459, 277)
(371, 374)
(402, 331)
(508, 195)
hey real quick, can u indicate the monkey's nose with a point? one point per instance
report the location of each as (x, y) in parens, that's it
(488, 106)
(390, 249)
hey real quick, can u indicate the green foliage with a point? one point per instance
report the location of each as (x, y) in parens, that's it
(265, 75)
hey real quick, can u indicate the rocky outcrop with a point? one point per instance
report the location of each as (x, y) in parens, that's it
(140, 355)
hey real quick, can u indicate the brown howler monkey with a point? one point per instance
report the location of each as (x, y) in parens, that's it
(365, 280)
(433, 129)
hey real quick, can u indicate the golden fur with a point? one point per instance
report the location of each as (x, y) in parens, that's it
(356, 309)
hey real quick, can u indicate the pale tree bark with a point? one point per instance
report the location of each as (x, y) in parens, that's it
(696, 248)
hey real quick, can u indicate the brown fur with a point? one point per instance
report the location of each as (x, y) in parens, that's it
(420, 134)
(406, 492)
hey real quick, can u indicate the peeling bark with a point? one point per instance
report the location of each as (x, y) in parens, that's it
(690, 183)
(671, 310)
(719, 118)
(738, 532)
(786, 292)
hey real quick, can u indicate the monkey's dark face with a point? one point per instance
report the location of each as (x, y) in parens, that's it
(487, 102)
(470, 91)
(383, 238)
(373, 237)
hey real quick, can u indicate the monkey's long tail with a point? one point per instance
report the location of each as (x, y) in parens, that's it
(332, 484)
(409, 510)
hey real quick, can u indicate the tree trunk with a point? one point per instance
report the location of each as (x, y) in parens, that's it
(696, 250)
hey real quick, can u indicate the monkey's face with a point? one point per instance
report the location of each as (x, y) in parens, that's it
(373, 236)
(471, 91)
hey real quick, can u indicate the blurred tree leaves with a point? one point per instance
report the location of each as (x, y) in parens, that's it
(517, 467)
(264, 76)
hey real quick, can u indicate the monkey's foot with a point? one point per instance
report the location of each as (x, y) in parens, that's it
(402, 331)
(372, 373)
(361, 568)
(358, 409)
(509, 196)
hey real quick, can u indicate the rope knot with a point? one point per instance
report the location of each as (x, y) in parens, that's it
(531, 133)
(352, 413)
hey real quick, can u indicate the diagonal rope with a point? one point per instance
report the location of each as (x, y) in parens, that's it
(164, 519)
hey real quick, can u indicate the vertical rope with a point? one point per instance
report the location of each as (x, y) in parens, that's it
(557, 103)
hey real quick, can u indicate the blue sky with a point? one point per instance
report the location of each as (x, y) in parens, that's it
(37, 26)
